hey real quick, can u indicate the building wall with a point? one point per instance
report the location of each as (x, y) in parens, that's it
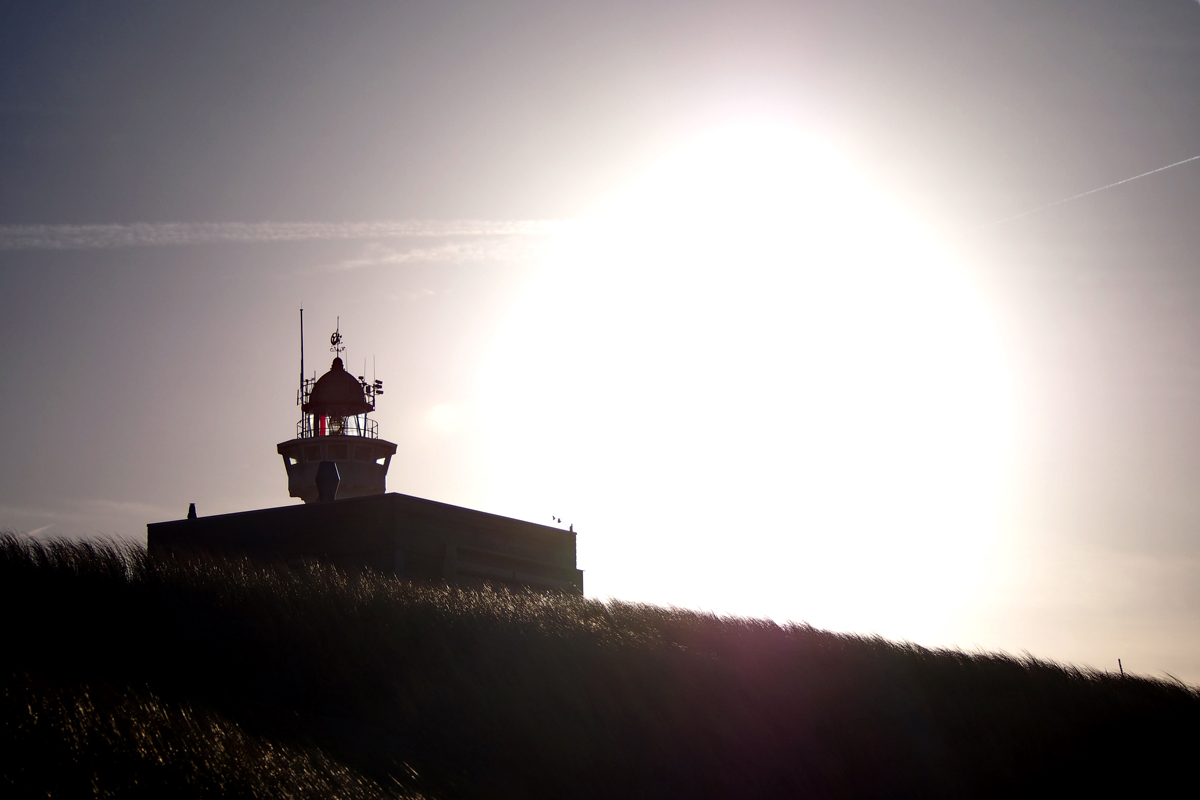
(362, 464)
(390, 534)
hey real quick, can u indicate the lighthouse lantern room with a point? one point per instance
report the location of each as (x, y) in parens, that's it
(335, 427)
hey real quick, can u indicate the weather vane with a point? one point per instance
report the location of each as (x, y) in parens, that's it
(335, 340)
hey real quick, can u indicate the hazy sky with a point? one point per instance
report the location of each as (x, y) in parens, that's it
(716, 282)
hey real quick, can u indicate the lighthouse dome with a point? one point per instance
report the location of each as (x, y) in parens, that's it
(337, 394)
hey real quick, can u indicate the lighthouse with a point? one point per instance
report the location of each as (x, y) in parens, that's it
(337, 465)
(335, 428)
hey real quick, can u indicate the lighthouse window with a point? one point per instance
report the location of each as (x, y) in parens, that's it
(291, 461)
(381, 461)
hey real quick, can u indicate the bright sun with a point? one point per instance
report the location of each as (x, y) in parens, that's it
(757, 387)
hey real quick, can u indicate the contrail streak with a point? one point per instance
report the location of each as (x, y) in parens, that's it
(144, 234)
(1085, 194)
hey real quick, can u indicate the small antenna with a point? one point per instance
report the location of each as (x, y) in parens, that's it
(300, 397)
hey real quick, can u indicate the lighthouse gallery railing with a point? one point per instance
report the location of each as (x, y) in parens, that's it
(310, 427)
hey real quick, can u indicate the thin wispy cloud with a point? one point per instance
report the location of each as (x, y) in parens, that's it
(167, 234)
(458, 251)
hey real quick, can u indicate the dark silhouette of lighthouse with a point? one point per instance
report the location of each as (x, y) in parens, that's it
(335, 428)
(337, 464)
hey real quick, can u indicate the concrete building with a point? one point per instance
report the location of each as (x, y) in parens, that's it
(337, 465)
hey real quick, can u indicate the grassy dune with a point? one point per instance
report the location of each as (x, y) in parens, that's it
(126, 678)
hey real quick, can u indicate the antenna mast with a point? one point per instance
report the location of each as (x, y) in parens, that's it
(300, 397)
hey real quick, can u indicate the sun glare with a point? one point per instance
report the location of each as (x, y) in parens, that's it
(757, 387)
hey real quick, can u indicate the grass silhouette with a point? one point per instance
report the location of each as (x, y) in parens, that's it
(125, 677)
